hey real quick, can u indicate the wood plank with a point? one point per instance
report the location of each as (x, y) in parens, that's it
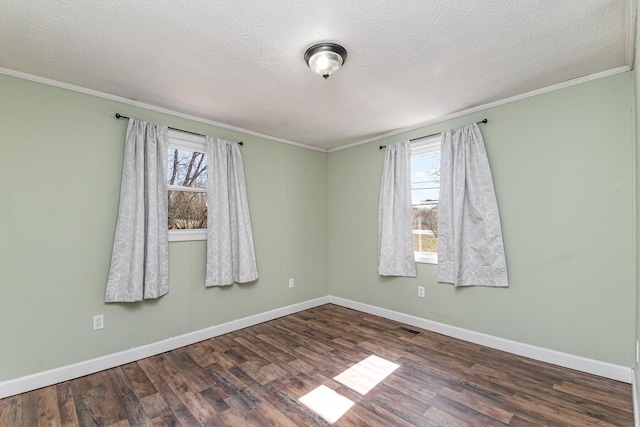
(274, 416)
(9, 411)
(182, 364)
(269, 352)
(478, 402)
(589, 393)
(178, 409)
(198, 407)
(216, 396)
(154, 406)
(202, 353)
(232, 418)
(129, 402)
(406, 406)
(534, 410)
(67, 406)
(264, 373)
(96, 402)
(165, 420)
(138, 380)
(438, 417)
(28, 411)
(48, 412)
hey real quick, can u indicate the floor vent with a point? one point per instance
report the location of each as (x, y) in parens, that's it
(411, 331)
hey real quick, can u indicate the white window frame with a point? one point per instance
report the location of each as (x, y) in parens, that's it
(187, 142)
(425, 146)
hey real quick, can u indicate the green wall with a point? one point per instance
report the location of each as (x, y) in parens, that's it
(563, 168)
(60, 168)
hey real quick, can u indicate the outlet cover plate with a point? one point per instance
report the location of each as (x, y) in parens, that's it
(98, 322)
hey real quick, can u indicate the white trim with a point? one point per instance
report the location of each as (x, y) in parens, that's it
(65, 373)
(426, 257)
(187, 235)
(634, 391)
(425, 146)
(127, 101)
(187, 142)
(188, 189)
(462, 113)
(578, 363)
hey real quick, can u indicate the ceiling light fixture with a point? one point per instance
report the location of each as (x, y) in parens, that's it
(325, 58)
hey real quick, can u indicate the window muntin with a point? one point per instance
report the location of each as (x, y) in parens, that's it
(187, 187)
(425, 189)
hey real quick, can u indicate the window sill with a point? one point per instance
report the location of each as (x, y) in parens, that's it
(426, 257)
(187, 235)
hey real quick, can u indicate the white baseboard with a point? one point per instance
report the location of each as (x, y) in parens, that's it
(578, 363)
(65, 373)
(634, 385)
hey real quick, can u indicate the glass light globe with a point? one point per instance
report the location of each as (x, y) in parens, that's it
(325, 58)
(325, 63)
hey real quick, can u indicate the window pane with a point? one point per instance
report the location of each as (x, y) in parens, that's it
(425, 228)
(187, 210)
(187, 168)
(425, 178)
(425, 189)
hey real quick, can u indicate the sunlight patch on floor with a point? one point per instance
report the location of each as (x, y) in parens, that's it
(327, 403)
(364, 376)
(361, 377)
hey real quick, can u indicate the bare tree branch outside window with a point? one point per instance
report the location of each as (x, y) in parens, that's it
(188, 206)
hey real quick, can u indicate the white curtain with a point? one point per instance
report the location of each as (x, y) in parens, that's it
(470, 246)
(140, 258)
(230, 253)
(395, 231)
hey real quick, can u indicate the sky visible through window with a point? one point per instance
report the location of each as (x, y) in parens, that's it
(425, 177)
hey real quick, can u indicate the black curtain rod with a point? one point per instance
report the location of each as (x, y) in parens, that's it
(120, 116)
(434, 134)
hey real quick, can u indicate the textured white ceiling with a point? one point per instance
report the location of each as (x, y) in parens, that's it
(241, 62)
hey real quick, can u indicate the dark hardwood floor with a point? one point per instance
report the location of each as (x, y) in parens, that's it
(256, 376)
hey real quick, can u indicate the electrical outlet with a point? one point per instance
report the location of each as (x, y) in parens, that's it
(291, 283)
(421, 291)
(98, 321)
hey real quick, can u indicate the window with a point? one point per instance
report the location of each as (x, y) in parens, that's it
(187, 187)
(425, 189)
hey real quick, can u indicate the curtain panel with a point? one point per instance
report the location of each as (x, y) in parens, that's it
(395, 229)
(230, 251)
(140, 258)
(470, 245)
